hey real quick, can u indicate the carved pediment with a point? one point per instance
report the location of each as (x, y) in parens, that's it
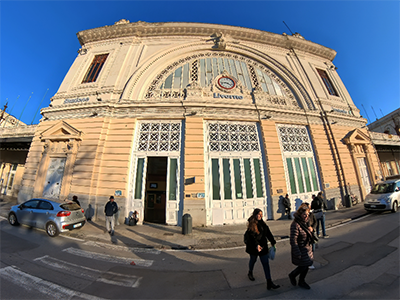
(357, 136)
(61, 131)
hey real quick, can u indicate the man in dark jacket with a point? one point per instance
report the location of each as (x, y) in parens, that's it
(75, 199)
(286, 204)
(318, 206)
(110, 209)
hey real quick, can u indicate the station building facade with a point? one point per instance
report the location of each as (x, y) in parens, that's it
(210, 120)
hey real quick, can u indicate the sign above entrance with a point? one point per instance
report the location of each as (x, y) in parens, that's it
(218, 95)
(76, 100)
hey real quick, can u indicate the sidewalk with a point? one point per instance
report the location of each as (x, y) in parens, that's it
(160, 236)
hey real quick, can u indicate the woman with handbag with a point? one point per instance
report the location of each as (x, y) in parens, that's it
(301, 240)
(318, 205)
(257, 236)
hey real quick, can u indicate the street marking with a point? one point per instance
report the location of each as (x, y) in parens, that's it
(72, 238)
(89, 273)
(108, 258)
(122, 248)
(30, 282)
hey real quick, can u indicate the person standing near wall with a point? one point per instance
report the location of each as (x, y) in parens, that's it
(318, 206)
(110, 209)
(75, 199)
(286, 204)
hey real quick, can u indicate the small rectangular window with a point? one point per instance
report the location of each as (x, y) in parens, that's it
(327, 82)
(257, 174)
(227, 179)
(238, 179)
(173, 166)
(291, 176)
(215, 179)
(249, 181)
(95, 68)
(139, 178)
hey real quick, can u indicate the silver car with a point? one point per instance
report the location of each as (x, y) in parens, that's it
(52, 216)
(384, 196)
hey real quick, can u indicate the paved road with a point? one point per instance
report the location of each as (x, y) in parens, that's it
(359, 261)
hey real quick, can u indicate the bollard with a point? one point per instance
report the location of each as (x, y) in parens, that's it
(186, 224)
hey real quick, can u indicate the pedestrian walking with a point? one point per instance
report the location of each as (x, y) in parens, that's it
(286, 204)
(301, 240)
(318, 206)
(110, 209)
(312, 225)
(257, 236)
(75, 199)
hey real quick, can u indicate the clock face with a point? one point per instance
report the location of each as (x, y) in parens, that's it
(226, 83)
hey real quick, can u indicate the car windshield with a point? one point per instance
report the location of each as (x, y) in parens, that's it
(70, 206)
(383, 188)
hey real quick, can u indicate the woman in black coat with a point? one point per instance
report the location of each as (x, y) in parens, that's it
(301, 240)
(257, 245)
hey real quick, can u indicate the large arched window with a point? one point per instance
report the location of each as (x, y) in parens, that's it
(204, 67)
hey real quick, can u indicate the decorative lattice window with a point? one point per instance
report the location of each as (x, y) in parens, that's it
(301, 170)
(294, 138)
(226, 137)
(159, 137)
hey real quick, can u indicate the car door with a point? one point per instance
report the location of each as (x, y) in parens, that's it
(43, 213)
(26, 212)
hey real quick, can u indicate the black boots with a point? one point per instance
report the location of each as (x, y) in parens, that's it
(251, 277)
(292, 279)
(271, 285)
(304, 285)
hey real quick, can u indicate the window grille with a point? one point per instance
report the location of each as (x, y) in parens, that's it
(161, 136)
(294, 139)
(227, 137)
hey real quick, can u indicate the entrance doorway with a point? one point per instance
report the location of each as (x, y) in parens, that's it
(156, 187)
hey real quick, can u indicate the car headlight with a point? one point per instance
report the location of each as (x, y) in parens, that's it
(385, 199)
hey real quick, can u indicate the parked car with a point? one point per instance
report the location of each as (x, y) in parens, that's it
(384, 196)
(52, 216)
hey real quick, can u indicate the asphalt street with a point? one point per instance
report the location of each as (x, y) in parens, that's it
(360, 260)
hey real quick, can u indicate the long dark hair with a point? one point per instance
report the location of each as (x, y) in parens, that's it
(252, 221)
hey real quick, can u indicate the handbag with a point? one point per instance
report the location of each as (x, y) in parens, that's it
(271, 253)
(318, 214)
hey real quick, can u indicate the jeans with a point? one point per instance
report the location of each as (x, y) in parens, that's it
(322, 221)
(265, 263)
(110, 220)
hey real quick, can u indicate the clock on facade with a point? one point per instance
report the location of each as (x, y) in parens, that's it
(226, 83)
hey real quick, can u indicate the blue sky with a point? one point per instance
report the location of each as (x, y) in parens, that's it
(39, 44)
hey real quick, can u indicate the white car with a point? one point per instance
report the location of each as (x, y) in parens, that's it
(384, 196)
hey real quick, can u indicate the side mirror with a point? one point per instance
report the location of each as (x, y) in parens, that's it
(21, 206)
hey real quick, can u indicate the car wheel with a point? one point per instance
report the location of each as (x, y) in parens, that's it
(12, 219)
(51, 229)
(395, 207)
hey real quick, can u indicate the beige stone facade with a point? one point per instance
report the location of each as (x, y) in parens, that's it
(210, 120)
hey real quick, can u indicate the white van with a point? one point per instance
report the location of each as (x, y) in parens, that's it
(384, 196)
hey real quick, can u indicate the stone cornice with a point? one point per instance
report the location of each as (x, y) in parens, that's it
(144, 29)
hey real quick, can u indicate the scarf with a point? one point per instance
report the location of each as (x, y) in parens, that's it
(299, 220)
